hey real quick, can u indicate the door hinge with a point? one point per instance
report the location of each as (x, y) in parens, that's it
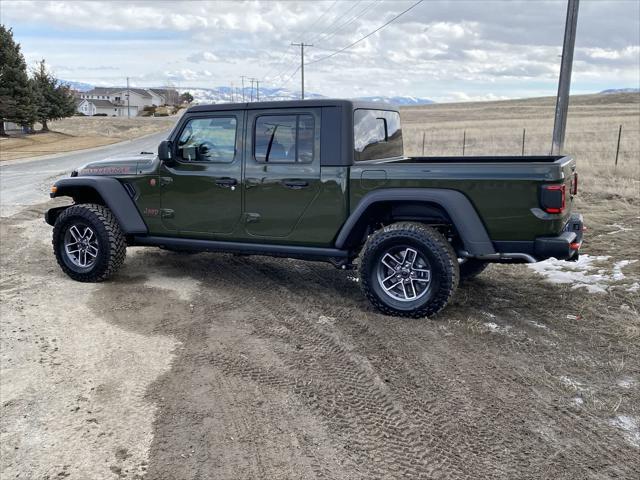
(166, 213)
(251, 217)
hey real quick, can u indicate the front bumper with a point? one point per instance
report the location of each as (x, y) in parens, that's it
(566, 246)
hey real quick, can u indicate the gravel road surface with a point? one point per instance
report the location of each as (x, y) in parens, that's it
(221, 367)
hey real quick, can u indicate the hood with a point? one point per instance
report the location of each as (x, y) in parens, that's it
(120, 165)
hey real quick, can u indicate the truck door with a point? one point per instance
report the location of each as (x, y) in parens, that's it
(282, 169)
(201, 191)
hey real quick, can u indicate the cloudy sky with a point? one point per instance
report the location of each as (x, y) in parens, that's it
(444, 50)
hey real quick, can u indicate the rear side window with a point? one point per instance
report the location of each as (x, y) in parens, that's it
(284, 139)
(376, 134)
(208, 140)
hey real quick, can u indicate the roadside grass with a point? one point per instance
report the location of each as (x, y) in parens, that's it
(78, 133)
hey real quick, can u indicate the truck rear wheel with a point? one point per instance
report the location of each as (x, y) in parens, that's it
(472, 268)
(88, 242)
(408, 270)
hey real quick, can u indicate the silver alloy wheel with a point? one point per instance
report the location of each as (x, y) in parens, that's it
(404, 274)
(81, 245)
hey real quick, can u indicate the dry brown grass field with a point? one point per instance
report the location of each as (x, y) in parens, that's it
(78, 133)
(496, 128)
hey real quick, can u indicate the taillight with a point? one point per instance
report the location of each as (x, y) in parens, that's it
(574, 184)
(553, 198)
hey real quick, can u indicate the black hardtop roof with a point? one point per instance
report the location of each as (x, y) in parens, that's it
(325, 102)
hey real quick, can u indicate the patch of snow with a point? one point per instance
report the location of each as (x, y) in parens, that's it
(495, 328)
(324, 320)
(626, 382)
(587, 272)
(617, 268)
(620, 228)
(487, 314)
(353, 279)
(629, 427)
(635, 286)
(571, 383)
(538, 325)
(578, 401)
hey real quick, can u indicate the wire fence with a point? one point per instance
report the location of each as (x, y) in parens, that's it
(596, 147)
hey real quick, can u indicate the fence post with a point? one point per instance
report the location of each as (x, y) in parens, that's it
(524, 133)
(423, 133)
(464, 141)
(618, 147)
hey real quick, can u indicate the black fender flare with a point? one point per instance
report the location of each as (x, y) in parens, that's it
(461, 211)
(112, 193)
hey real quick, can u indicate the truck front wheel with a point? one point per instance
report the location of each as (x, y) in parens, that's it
(409, 270)
(88, 242)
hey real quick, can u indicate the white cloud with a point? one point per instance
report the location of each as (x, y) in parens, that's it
(203, 57)
(487, 49)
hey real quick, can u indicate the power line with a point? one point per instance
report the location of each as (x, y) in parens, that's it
(322, 15)
(367, 35)
(336, 21)
(349, 21)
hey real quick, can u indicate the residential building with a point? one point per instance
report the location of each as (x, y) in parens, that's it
(119, 99)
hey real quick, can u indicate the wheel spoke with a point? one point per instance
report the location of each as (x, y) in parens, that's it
(413, 291)
(389, 277)
(385, 260)
(410, 256)
(93, 251)
(391, 287)
(426, 278)
(88, 233)
(75, 233)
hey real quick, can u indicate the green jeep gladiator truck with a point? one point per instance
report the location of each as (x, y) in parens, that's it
(323, 180)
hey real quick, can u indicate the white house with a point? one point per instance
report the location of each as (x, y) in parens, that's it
(107, 107)
(119, 97)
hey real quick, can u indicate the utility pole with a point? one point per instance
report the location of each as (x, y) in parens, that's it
(243, 77)
(257, 89)
(251, 79)
(564, 83)
(128, 103)
(302, 45)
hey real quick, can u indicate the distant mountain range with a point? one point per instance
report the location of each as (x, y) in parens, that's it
(227, 94)
(620, 90)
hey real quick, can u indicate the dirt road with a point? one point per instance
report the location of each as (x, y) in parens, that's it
(220, 367)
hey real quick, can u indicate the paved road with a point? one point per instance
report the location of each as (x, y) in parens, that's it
(24, 183)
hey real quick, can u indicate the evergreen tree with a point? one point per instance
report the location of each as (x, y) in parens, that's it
(16, 93)
(53, 100)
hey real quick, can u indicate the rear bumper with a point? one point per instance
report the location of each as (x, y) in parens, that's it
(566, 246)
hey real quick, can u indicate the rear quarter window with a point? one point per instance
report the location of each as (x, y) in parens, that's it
(376, 134)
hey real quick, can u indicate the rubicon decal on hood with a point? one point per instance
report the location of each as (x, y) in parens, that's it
(112, 170)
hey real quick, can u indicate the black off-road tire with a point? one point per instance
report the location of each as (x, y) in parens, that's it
(433, 246)
(472, 268)
(112, 244)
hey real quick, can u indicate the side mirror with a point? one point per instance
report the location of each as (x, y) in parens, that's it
(164, 152)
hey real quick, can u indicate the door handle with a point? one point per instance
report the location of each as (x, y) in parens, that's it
(295, 184)
(226, 182)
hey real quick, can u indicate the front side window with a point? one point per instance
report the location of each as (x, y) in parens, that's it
(284, 139)
(208, 140)
(376, 134)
